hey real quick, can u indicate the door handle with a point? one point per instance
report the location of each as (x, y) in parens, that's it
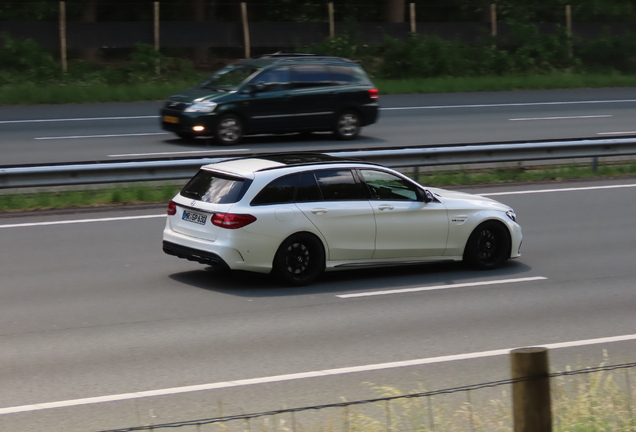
(319, 210)
(385, 207)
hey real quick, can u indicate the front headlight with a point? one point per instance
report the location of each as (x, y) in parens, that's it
(202, 107)
(512, 215)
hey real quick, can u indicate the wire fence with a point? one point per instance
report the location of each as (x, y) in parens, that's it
(602, 399)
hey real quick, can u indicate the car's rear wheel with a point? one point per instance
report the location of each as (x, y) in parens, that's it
(299, 260)
(229, 130)
(488, 246)
(347, 125)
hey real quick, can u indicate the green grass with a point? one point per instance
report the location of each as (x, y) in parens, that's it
(65, 93)
(159, 194)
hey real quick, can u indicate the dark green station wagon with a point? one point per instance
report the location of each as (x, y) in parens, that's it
(275, 93)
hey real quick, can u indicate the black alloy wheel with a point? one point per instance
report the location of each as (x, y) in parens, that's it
(229, 130)
(299, 260)
(347, 125)
(488, 246)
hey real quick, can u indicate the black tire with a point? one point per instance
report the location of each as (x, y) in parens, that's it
(488, 246)
(185, 135)
(229, 130)
(299, 260)
(347, 125)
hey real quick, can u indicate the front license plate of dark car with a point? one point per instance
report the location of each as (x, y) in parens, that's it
(170, 119)
(197, 218)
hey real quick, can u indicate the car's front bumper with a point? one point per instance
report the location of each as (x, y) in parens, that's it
(187, 121)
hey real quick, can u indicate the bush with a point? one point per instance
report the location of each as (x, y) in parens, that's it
(23, 59)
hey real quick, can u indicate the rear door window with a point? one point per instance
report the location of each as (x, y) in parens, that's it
(310, 75)
(338, 185)
(280, 191)
(215, 188)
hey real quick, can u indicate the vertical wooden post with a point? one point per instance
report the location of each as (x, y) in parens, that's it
(63, 37)
(246, 30)
(332, 23)
(412, 16)
(493, 19)
(531, 395)
(568, 26)
(156, 34)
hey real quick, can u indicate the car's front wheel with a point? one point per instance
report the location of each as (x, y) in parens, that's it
(300, 259)
(229, 130)
(347, 125)
(488, 246)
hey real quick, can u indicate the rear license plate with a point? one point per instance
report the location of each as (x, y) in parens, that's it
(197, 218)
(170, 119)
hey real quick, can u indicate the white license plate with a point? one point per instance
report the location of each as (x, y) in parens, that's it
(197, 218)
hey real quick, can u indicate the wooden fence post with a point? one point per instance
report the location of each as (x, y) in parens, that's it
(493, 19)
(156, 34)
(531, 395)
(332, 24)
(63, 37)
(246, 30)
(412, 16)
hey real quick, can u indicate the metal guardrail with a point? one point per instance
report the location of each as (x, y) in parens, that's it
(113, 172)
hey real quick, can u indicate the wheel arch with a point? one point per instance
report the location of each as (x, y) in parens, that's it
(498, 221)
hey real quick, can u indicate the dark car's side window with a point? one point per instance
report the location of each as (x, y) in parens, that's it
(343, 75)
(310, 75)
(338, 185)
(274, 79)
(385, 186)
(279, 191)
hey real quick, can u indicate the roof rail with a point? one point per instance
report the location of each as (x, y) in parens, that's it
(282, 54)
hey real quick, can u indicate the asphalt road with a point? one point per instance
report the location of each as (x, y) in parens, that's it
(93, 309)
(120, 131)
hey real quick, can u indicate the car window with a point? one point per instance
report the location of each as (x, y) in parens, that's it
(310, 75)
(280, 191)
(385, 186)
(343, 75)
(338, 185)
(308, 190)
(228, 77)
(213, 188)
(274, 79)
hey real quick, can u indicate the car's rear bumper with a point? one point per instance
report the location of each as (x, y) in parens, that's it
(191, 254)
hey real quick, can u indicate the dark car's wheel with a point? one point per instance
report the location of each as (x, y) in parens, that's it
(347, 125)
(229, 130)
(488, 246)
(299, 260)
(185, 135)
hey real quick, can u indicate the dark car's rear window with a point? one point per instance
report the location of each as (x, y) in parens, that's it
(215, 188)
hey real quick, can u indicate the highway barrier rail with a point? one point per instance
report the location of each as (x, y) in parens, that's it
(164, 170)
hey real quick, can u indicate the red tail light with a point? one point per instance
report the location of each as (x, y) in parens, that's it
(232, 221)
(374, 93)
(172, 208)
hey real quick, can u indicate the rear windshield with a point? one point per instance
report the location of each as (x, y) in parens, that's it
(215, 188)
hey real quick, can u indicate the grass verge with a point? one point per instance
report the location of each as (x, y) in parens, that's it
(57, 93)
(159, 194)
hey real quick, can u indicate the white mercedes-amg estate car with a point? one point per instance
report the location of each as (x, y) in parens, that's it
(297, 215)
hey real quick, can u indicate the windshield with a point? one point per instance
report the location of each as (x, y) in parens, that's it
(228, 78)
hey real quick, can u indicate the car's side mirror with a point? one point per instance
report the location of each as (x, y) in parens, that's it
(427, 196)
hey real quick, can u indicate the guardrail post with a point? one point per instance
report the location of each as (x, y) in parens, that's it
(531, 393)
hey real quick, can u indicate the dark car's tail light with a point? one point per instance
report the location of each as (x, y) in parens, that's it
(374, 93)
(231, 220)
(172, 208)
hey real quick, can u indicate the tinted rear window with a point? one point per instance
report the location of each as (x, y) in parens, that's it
(213, 188)
(343, 75)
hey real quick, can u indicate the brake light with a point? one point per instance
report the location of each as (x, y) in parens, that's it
(232, 221)
(172, 208)
(374, 93)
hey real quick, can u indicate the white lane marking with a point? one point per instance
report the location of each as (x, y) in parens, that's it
(77, 119)
(560, 118)
(101, 136)
(616, 133)
(77, 221)
(176, 153)
(441, 287)
(509, 104)
(559, 190)
(302, 375)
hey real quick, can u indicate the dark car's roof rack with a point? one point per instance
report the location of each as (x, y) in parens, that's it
(282, 54)
(300, 56)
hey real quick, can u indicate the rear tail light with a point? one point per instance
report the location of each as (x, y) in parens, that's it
(232, 221)
(172, 208)
(374, 93)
